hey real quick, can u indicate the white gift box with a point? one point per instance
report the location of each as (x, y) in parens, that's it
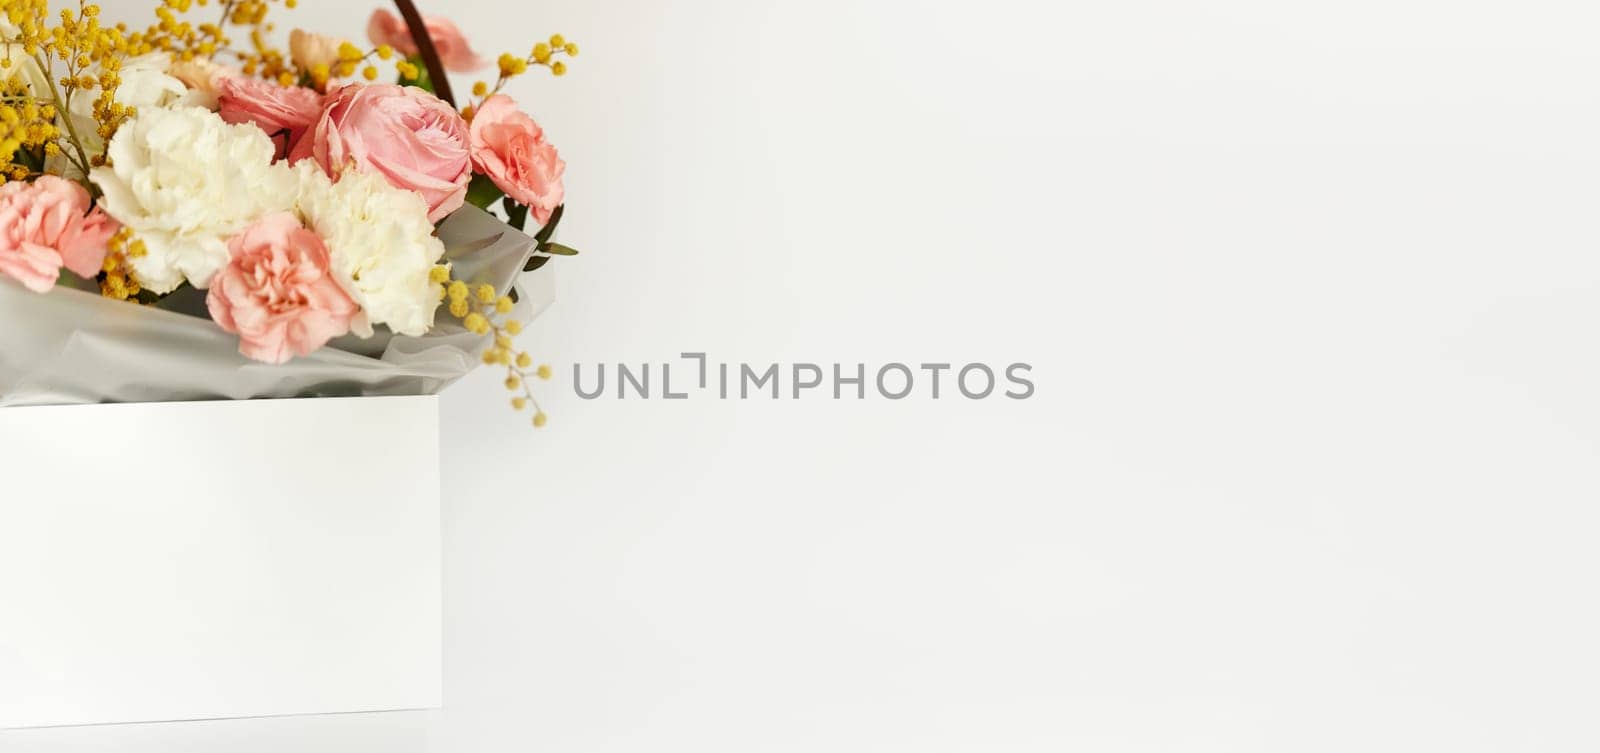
(200, 560)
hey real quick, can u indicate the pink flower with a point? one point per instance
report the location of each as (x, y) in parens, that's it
(277, 293)
(284, 112)
(510, 149)
(46, 225)
(454, 50)
(403, 133)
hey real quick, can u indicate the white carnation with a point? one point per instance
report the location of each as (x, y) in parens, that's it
(380, 245)
(184, 182)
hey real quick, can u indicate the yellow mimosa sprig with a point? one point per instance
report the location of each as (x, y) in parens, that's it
(544, 54)
(484, 313)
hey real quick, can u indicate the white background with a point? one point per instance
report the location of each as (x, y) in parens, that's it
(1310, 291)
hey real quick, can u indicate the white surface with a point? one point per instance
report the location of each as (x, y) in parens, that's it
(1311, 291)
(210, 560)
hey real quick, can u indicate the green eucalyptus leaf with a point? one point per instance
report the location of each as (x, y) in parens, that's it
(558, 249)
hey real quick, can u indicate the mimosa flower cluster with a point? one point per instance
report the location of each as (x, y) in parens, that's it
(299, 188)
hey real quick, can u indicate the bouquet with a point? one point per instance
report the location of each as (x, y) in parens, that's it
(190, 212)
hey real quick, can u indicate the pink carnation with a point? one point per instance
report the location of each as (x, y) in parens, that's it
(46, 225)
(277, 293)
(454, 50)
(410, 137)
(284, 112)
(509, 148)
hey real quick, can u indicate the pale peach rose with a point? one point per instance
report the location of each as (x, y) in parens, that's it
(509, 148)
(276, 292)
(46, 225)
(284, 112)
(455, 52)
(410, 137)
(203, 77)
(309, 50)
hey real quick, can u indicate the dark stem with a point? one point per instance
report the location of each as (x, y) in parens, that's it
(430, 54)
(283, 134)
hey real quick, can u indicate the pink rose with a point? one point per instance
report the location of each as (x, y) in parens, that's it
(277, 293)
(46, 225)
(403, 133)
(509, 148)
(454, 50)
(284, 112)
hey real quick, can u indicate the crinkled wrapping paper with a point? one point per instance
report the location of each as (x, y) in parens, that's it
(72, 346)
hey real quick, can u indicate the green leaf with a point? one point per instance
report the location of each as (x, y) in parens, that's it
(549, 230)
(546, 248)
(516, 214)
(482, 192)
(33, 160)
(422, 81)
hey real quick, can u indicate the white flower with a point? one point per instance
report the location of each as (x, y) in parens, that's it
(184, 182)
(145, 86)
(145, 83)
(380, 245)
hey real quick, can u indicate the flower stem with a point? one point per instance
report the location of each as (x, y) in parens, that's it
(82, 162)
